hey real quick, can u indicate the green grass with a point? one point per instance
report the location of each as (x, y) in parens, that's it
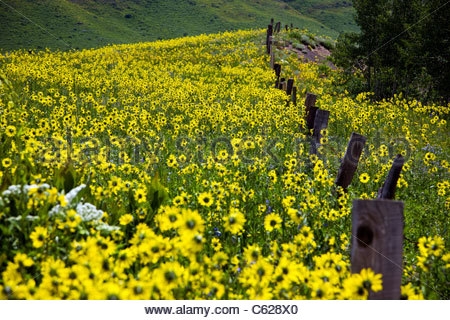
(333, 14)
(78, 24)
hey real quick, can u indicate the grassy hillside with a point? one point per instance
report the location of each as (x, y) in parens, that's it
(74, 24)
(337, 15)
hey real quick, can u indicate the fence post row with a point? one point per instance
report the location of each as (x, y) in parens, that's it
(377, 225)
(280, 83)
(377, 235)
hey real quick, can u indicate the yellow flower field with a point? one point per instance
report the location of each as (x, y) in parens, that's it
(175, 170)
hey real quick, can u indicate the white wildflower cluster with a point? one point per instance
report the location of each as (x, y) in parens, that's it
(16, 191)
(18, 218)
(106, 227)
(87, 211)
(69, 197)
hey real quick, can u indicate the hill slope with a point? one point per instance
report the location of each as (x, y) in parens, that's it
(74, 24)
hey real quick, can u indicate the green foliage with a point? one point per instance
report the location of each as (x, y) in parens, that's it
(157, 195)
(403, 47)
(346, 50)
(302, 38)
(337, 15)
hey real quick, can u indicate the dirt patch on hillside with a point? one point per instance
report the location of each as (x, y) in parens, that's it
(317, 54)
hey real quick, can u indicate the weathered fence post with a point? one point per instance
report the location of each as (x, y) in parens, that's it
(277, 28)
(311, 109)
(269, 37)
(294, 95)
(272, 53)
(350, 161)
(390, 184)
(277, 68)
(320, 123)
(290, 84)
(377, 240)
(282, 84)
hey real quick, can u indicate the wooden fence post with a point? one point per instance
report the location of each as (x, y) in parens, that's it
(294, 95)
(350, 162)
(377, 240)
(282, 84)
(269, 37)
(277, 68)
(390, 184)
(310, 100)
(320, 123)
(277, 28)
(311, 109)
(290, 84)
(272, 53)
